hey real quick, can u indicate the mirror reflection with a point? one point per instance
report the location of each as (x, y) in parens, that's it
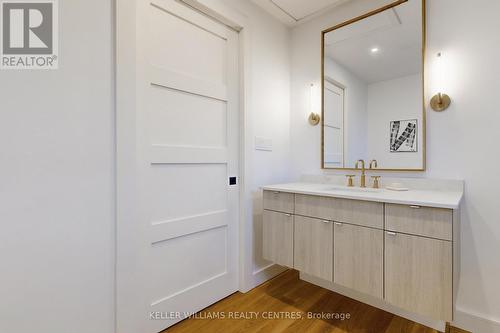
(373, 90)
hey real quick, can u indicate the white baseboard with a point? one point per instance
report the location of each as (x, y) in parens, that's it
(475, 323)
(261, 275)
(266, 273)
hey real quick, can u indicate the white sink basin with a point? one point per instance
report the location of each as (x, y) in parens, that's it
(355, 189)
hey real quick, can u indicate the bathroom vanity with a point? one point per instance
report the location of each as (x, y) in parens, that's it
(400, 247)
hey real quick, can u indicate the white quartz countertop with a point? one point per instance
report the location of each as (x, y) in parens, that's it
(431, 198)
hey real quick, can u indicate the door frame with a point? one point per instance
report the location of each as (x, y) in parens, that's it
(126, 151)
(342, 87)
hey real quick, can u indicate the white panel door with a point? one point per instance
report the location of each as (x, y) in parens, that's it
(184, 255)
(333, 126)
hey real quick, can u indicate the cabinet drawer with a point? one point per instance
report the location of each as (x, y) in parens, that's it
(314, 206)
(277, 238)
(279, 201)
(422, 221)
(364, 213)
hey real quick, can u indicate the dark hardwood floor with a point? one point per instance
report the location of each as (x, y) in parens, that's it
(286, 296)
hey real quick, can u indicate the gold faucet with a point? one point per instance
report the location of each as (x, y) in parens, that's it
(376, 181)
(363, 176)
(373, 164)
(350, 181)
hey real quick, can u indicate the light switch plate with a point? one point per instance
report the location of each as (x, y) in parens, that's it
(264, 144)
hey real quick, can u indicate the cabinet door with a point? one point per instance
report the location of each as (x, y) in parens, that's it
(313, 247)
(278, 238)
(358, 258)
(418, 274)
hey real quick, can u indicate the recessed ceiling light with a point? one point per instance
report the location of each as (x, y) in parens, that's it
(374, 50)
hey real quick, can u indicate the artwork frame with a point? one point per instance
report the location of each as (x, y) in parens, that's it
(403, 136)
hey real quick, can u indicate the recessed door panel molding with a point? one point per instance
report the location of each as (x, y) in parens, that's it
(201, 121)
(165, 154)
(172, 79)
(193, 264)
(165, 230)
(184, 190)
(204, 57)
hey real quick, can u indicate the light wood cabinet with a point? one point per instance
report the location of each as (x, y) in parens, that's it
(314, 206)
(418, 274)
(417, 220)
(279, 201)
(366, 213)
(278, 237)
(358, 258)
(400, 253)
(313, 247)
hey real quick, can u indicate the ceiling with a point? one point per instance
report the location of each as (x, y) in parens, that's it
(293, 12)
(396, 33)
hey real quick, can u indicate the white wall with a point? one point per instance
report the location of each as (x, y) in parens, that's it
(461, 141)
(57, 179)
(57, 183)
(355, 111)
(396, 99)
(267, 58)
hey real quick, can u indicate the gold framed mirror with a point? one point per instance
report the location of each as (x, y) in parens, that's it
(372, 90)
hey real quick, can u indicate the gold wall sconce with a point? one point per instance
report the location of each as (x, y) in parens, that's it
(314, 118)
(440, 101)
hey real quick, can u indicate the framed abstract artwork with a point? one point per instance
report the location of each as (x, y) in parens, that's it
(403, 136)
